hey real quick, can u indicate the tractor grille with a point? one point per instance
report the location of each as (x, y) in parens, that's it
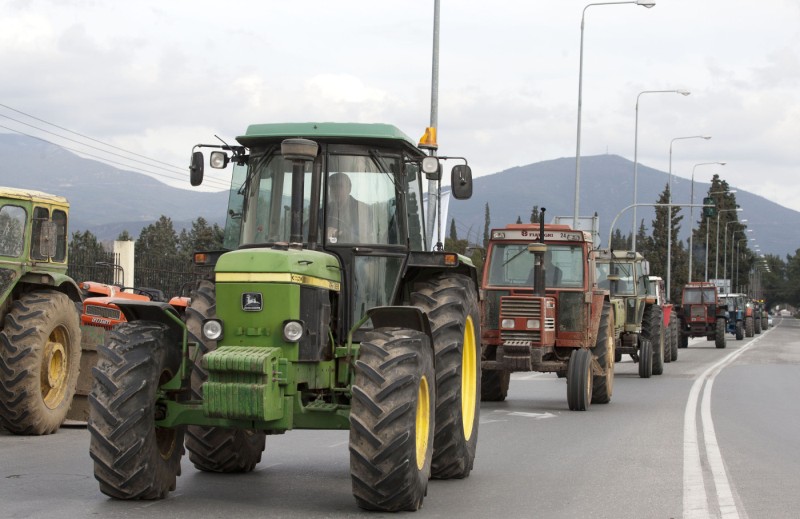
(697, 313)
(526, 308)
(102, 311)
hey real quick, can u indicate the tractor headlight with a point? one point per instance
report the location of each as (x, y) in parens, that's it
(533, 324)
(292, 331)
(507, 323)
(212, 329)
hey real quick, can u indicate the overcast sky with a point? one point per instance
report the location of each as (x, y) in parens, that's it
(157, 77)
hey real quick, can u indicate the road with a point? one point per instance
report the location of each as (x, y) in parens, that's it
(714, 436)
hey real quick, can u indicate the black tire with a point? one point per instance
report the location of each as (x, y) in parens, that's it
(392, 420)
(134, 459)
(494, 383)
(451, 303)
(653, 331)
(603, 385)
(645, 358)
(748, 326)
(684, 341)
(579, 380)
(739, 330)
(757, 325)
(674, 323)
(617, 356)
(40, 359)
(215, 449)
(720, 335)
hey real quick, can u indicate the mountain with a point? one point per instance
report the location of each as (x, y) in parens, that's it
(107, 200)
(606, 186)
(103, 199)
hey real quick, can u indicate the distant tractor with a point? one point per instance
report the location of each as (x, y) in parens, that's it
(656, 295)
(40, 338)
(641, 333)
(332, 313)
(542, 311)
(702, 313)
(735, 306)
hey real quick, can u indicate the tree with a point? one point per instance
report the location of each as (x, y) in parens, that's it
(535, 214)
(453, 232)
(486, 227)
(658, 253)
(88, 259)
(620, 242)
(202, 237)
(519, 219)
(125, 236)
(157, 240)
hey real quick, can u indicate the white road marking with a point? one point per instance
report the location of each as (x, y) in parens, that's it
(695, 497)
(537, 416)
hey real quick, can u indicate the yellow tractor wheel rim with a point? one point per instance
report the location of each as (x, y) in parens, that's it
(55, 368)
(469, 370)
(423, 422)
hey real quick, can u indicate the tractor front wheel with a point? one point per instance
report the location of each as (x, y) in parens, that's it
(645, 358)
(579, 380)
(133, 457)
(494, 383)
(451, 303)
(603, 385)
(392, 420)
(40, 357)
(720, 335)
(215, 449)
(653, 331)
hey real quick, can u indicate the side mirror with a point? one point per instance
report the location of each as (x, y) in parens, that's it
(196, 168)
(461, 182)
(646, 268)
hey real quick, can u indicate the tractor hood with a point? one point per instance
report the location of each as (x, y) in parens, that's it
(279, 264)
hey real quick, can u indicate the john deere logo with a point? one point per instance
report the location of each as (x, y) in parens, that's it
(252, 302)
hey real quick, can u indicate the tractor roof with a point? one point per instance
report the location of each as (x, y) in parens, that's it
(328, 132)
(32, 196)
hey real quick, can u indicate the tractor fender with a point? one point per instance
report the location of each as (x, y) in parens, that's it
(156, 311)
(401, 316)
(60, 282)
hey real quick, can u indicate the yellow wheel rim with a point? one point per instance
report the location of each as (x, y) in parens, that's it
(55, 368)
(423, 422)
(469, 370)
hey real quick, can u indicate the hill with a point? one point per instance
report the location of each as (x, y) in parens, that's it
(107, 200)
(606, 188)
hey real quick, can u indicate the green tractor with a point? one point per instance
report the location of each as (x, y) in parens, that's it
(40, 335)
(331, 313)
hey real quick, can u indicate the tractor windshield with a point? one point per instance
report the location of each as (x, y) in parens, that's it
(619, 278)
(512, 265)
(12, 230)
(359, 203)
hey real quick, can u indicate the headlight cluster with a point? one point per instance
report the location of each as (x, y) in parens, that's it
(293, 331)
(212, 329)
(530, 324)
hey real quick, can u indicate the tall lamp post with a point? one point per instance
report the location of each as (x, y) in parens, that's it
(636, 155)
(644, 3)
(733, 233)
(710, 193)
(669, 209)
(691, 217)
(716, 259)
(725, 246)
(735, 273)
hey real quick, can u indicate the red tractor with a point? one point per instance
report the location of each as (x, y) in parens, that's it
(542, 311)
(701, 314)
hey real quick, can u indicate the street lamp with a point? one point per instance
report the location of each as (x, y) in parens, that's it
(691, 217)
(716, 249)
(669, 208)
(725, 246)
(643, 3)
(636, 155)
(716, 259)
(735, 274)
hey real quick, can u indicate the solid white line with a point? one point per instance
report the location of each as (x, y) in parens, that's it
(695, 498)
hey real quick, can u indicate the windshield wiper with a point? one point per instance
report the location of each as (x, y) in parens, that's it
(509, 260)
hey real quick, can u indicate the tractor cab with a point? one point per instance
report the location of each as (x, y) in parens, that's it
(626, 275)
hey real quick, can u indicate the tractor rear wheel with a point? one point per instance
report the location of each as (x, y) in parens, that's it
(603, 385)
(748, 326)
(720, 335)
(739, 330)
(579, 380)
(451, 304)
(756, 325)
(674, 325)
(653, 331)
(392, 420)
(494, 383)
(134, 458)
(40, 357)
(645, 358)
(215, 449)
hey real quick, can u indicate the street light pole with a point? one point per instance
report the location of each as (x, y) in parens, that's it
(691, 220)
(725, 247)
(636, 156)
(643, 3)
(669, 209)
(716, 259)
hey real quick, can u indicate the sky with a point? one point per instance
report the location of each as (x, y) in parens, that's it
(157, 77)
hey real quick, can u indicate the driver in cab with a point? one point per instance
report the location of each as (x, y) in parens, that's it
(344, 211)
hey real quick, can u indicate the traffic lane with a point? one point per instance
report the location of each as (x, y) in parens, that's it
(755, 411)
